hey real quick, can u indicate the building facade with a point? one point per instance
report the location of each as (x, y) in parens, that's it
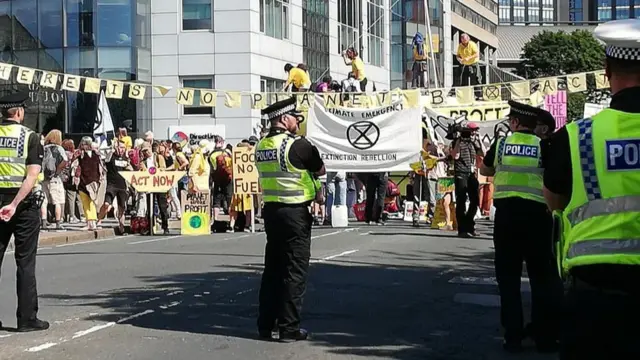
(516, 12)
(243, 45)
(600, 10)
(96, 38)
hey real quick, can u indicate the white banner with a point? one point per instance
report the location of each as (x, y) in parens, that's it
(386, 138)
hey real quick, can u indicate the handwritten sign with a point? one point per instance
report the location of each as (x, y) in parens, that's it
(196, 214)
(152, 180)
(556, 104)
(245, 173)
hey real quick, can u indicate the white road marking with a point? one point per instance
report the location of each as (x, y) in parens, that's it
(333, 233)
(154, 240)
(333, 256)
(148, 300)
(134, 316)
(364, 233)
(4, 336)
(182, 236)
(244, 292)
(487, 281)
(91, 330)
(95, 241)
(206, 293)
(175, 293)
(41, 347)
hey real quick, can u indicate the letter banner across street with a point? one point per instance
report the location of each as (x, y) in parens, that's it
(384, 138)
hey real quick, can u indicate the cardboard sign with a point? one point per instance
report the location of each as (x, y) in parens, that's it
(152, 180)
(196, 214)
(245, 172)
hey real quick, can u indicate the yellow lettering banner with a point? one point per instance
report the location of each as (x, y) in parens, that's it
(49, 80)
(185, 97)
(114, 89)
(137, 91)
(25, 75)
(601, 80)
(577, 82)
(92, 85)
(485, 112)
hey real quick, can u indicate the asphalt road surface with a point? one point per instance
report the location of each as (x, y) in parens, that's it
(390, 292)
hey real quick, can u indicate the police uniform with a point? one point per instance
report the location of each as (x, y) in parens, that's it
(20, 148)
(522, 232)
(594, 164)
(286, 164)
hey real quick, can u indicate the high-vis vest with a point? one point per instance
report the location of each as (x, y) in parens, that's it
(518, 168)
(601, 225)
(280, 180)
(14, 144)
(213, 157)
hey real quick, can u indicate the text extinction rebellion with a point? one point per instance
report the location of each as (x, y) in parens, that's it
(360, 157)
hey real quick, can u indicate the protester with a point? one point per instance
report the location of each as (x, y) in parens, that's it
(350, 57)
(324, 85)
(336, 192)
(54, 161)
(90, 171)
(376, 190)
(73, 206)
(420, 67)
(298, 79)
(468, 56)
(126, 139)
(117, 189)
(221, 176)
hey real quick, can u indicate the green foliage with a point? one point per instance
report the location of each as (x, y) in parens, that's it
(560, 53)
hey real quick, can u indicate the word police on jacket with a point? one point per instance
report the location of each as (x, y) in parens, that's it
(266, 155)
(623, 154)
(8, 142)
(521, 150)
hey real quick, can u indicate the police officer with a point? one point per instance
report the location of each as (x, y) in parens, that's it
(20, 161)
(592, 175)
(523, 231)
(289, 166)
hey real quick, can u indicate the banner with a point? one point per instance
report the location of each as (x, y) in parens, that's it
(189, 135)
(245, 173)
(489, 130)
(152, 180)
(386, 138)
(480, 112)
(557, 105)
(259, 100)
(196, 213)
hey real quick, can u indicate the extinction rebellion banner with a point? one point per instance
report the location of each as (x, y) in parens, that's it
(384, 138)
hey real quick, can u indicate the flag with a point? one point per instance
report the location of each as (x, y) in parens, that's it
(103, 124)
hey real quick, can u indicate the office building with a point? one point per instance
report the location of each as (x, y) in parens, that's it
(243, 45)
(599, 10)
(517, 12)
(97, 38)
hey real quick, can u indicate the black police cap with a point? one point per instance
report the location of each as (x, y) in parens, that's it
(14, 100)
(531, 114)
(282, 107)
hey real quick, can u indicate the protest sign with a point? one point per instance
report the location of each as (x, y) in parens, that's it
(152, 180)
(196, 213)
(487, 111)
(385, 138)
(556, 104)
(488, 130)
(245, 173)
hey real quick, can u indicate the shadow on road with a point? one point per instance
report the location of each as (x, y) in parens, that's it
(364, 307)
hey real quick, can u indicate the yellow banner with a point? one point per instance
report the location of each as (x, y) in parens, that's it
(196, 214)
(153, 180)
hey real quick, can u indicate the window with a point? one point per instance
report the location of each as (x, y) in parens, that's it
(196, 15)
(492, 5)
(518, 15)
(534, 3)
(197, 83)
(622, 13)
(315, 37)
(270, 85)
(474, 17)
(547, 3)
(349, 16)
(518, 2)
(274, 19)
(534, 15)
(505, 14)
(547, 15)
(505, 2)
(376, 32)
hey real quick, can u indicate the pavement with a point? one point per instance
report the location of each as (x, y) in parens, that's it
(392, 292)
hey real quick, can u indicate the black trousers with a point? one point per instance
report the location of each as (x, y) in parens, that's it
(467, 187)
(25, 227)
(163, 206)
(286, 264)
(522, 234)
(376, 189)
(470, 75)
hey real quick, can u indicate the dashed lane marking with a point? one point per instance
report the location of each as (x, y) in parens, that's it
(327, 258)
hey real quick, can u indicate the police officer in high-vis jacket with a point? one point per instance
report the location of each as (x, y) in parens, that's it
(522, 230)
(20, 161)
(289, 166)
(592, 176)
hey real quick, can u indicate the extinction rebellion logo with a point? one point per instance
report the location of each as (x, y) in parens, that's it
(363, 135)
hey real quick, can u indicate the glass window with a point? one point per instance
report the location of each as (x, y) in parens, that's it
(80, 61)
(271, 86)
(622, 12)
(5, 32)
(376, 32)
(196, 15)
(80, 23)
(534, 15)
(51, 24)
(114, 22)
(276, 18)
(25, 24)
(26, 58)
(349, 15)
(51, 59)
(115, 63)
(143, 24)
(196, 109)
(622, 3)
(505, 15)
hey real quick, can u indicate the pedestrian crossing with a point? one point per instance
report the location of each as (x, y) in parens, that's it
(481, 291)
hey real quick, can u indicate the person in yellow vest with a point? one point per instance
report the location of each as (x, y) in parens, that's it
(592, 183)
(522, 231)
(468, 56)
(288, 166)
(21, 155)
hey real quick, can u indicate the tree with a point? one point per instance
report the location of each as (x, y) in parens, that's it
(559, 53)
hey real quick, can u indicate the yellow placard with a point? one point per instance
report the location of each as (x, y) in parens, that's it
(245, 173)
(152, 180)
(484, 112)
(196, 214)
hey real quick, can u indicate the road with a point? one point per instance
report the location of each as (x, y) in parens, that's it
(390, 292)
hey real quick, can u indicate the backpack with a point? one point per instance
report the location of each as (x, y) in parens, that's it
(351, 87)
(222, 175)
(49, 163)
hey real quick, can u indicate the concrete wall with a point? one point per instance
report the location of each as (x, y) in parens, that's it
(236, 55)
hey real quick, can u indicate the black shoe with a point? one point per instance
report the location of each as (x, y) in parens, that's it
(33, 325)
(265, 334)
(512, 346)
(166, 232)
(464, 235)
(298, 335)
